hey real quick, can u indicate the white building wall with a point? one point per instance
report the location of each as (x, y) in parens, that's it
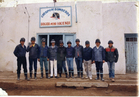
(95, 20)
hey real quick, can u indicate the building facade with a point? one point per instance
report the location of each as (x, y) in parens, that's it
(88, 20)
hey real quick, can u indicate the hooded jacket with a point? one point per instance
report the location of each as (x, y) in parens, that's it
(33, 51)
(61, 53)
(52, 53)
(20, 51)
(87, 53)
(111, 54)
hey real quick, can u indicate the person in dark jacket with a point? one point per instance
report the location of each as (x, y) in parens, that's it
(98, 57)
(33, 50)
(70, 56)
(61, 54)
(79, 58)
(43, 57)
(20, 53)
(87, 57)
(53, 58)
(111, 58)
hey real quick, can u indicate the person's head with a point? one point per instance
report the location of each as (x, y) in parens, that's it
(61, 43)
(43, 41)
(69, 44)
(110, 43)
(53, 42)
(22, 41)
(77, 41)
(33, 40)
(97, 42)
(87, 43)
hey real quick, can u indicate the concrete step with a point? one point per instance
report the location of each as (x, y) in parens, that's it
(82, 84)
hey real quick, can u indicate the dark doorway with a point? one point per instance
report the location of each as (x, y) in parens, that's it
(56, 38)
(40, 38)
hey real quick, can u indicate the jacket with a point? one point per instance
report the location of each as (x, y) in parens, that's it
(78, 50)
(61, 53)
(33, 51)
(70, 52)
(111, 54)
(43, 51)
(52, 53)
(20, 51)
(87, 53)
(98, 54)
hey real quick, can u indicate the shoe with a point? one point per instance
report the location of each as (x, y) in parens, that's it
(56, 77)
(26, 78)
(102, 79)
(18, 76)
(86, 77)
(72, 76)
(97, 78)
(30, 75)
(41, 77)
(51, 77)
(82, 77)
(18, 79)
(113, 80)
(90, 78)
(35, 77)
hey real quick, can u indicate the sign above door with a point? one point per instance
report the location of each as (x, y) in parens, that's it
(60, 16)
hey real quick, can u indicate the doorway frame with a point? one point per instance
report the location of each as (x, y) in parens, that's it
(48, 38)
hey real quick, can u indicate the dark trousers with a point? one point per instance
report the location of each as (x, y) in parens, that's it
(21, 61)
(79, 65)
(99, 67)
(31, 61)
(61, 64)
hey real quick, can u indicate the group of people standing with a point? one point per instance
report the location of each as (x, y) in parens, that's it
(57, 55)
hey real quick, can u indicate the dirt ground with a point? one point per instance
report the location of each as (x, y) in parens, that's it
(125, 85)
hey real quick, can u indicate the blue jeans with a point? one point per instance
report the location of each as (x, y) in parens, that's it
(61, 64)
(111, 67)
(70, 64)
(79, 64)
(31, 61)
(43, 59)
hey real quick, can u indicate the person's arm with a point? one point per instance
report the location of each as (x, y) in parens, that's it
(16, 51)
(116, 55)
(82, 53)
(48, 53)
(73, 52)
(103, 54)
(93, 56)
(38, 53)
(28, 48)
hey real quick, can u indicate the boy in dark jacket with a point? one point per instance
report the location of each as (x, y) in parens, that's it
(87, 57)
(33, 50)
(53, 58)
(79, 58)
(98, 57)
(43, 57)
(20, 53)
(61, 54)
(70, 56)
(111, 58)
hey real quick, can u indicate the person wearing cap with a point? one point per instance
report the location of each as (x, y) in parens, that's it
(33, 50)
(61, 54)
(98, 57)
(79, 58)
(43, 57)
(87, 58)
(20, 53)
(111, 58)
(53, 58)
(70, 56)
